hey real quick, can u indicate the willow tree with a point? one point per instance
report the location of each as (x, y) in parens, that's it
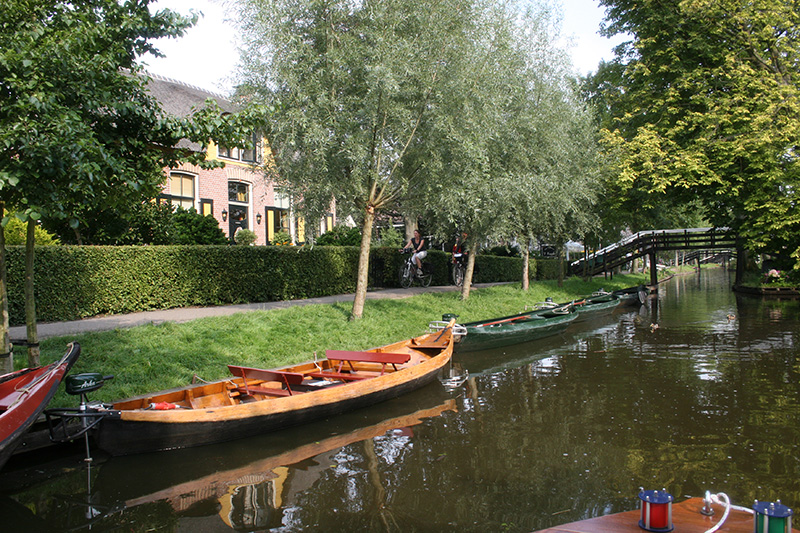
(709, 102)
(516, 159)
(353, 84)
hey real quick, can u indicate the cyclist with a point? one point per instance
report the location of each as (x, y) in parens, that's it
(417, 245)
(458, 248)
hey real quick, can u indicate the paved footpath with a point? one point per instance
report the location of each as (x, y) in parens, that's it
(185, 314)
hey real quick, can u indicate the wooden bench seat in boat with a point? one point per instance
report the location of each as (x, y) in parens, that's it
(344, 356)
(438, 342)
(287, 379)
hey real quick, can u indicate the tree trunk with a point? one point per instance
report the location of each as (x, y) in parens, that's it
(560, 253)
(363, 265)
(526, 258)
(6, 357)
(473, 249)
(30, 300)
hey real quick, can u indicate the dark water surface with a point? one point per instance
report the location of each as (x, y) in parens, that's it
(558, 430)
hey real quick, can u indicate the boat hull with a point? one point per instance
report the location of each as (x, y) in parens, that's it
(25, 395)
(125, 432)
(484, 335)
(589, 308)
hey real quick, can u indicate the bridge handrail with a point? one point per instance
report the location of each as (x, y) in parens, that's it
(647, 233)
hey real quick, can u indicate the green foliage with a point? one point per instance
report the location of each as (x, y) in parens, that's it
(340, 235)
(16, 233)
(245, 237)
(281, 238)
(75, 282)
(709, 112)
(389, 237)
(503, 251)
(193, 228)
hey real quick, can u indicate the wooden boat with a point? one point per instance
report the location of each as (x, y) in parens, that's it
(216, 485)
(23, 396)
(595, 304)
(516, 329)
(255, 401)
(687, 517)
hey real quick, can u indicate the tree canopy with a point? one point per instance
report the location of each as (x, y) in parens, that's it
(78, 129)
(422, 106)
(705, 102)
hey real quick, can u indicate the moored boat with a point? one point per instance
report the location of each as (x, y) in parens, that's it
(255, 401)
(25, 393)
(596, 303)
(632, 295)
(516, 329)
(695, 515)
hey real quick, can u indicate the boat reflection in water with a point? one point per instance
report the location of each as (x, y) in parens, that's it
(248, 485)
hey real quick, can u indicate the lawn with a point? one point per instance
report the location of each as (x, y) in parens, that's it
(155, 357)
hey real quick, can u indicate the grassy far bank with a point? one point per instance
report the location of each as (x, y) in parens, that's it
(155, 357)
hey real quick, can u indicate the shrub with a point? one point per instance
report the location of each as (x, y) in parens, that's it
(16, 233)
(503, 251)
(340, 236)
(244, 237)
(193, 228)
(281, 238)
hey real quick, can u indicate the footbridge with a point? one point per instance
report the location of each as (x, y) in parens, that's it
(649, 243)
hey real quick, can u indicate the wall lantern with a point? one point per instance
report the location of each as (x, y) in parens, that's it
(224, 215)
(258, 219)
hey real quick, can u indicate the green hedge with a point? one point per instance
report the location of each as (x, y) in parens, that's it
(74, 282)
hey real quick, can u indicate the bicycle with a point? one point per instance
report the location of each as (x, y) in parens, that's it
(408, 272)
(459, 268)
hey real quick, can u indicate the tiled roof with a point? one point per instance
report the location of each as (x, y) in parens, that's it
(178, 98)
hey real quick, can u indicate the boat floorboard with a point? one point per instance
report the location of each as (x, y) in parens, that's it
(686, 518)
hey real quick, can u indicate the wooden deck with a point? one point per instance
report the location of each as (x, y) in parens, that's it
(686, 518)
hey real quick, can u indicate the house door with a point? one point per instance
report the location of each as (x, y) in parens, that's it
(237, 219)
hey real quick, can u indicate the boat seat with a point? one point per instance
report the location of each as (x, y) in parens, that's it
(438, 342)
(338, 375)
(287, 379)
(384, 358)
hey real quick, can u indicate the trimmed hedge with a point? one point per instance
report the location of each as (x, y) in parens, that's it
(74, 282)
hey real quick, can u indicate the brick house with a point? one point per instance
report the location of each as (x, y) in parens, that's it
(238, 195)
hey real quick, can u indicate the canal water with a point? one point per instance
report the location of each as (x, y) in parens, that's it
(696, 390)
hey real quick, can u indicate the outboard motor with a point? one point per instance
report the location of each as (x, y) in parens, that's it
(59, 421)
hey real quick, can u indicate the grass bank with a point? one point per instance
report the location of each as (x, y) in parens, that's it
(155, 357)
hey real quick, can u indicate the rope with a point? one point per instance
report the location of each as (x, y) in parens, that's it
(722, 499)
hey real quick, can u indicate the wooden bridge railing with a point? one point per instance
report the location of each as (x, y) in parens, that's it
(651, 242)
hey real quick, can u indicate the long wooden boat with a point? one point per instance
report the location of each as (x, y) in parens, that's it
(687, 517)
(595, 304)
(516, 329)
(255, 401)
(23, 396)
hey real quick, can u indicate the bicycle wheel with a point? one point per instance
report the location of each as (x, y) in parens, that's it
(427, 275)
(458, 274)
(406, 276)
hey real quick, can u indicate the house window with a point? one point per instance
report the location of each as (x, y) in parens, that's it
(180, 189)
(248, 154)
(238, 192)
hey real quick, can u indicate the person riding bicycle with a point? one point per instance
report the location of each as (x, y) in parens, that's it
(459, 253)
(417, 245)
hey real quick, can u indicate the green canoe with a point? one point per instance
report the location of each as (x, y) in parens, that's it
(516, 329)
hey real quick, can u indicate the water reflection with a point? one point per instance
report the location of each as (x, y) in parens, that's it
(533, 435)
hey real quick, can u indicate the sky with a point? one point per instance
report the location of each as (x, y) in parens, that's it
(207, 55)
